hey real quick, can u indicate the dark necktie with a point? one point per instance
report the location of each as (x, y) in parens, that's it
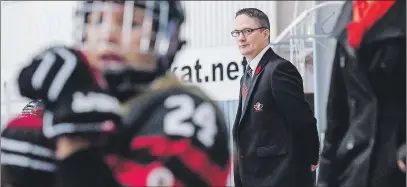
(247, 81)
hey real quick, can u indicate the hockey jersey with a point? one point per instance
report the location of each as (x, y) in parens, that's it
(173, 136)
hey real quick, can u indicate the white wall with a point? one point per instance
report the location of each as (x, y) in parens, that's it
(209, 23)
(286, 9)
(26, 28)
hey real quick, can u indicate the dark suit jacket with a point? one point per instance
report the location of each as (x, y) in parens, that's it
(275, 136)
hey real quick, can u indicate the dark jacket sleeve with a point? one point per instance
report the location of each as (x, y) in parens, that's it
(337, 121)
(85, 168)
(287, 86)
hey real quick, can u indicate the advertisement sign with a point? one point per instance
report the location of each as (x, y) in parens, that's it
(216, 70)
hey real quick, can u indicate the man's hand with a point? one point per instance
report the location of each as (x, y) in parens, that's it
(314, 167)
(401, 158)
(401, 165)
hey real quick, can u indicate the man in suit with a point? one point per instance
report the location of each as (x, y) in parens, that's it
(275, 133)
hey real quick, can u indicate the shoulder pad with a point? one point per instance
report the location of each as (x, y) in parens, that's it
(26, 129)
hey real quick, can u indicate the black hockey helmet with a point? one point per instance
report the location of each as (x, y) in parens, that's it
(158, 32)
(33, 108)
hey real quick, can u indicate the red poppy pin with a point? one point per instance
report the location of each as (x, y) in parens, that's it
(258, 69)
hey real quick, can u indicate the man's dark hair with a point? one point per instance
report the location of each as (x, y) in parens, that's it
(260, 17)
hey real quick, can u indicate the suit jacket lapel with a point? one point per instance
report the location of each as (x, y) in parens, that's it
(256, 76)
(239, 110)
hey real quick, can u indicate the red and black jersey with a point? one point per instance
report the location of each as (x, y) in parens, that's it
(27, 157)
(172, 138)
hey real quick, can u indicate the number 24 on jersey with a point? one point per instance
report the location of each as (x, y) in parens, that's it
(176, 121)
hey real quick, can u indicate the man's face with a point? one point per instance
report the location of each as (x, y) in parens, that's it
(107, 44)
(250, 45)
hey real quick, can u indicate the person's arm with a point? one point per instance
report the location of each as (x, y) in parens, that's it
(288, 92)
(79, 106)
(27, 157)
(337, 122)
(81, 165)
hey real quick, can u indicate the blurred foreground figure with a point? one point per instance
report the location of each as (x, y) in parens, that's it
(27, 157)
(117, 117)
(367, 100)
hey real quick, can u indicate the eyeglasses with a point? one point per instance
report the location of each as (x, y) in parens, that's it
(245, 32)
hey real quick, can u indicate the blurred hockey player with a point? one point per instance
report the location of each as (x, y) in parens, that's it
(27, 157)
(366, 112)
(168, 134)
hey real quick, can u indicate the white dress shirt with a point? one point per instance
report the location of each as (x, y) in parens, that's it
(256, 60)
